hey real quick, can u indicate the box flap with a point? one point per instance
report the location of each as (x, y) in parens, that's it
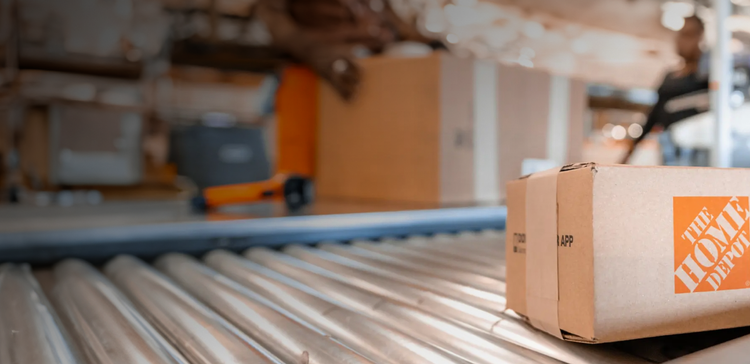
(541, 251)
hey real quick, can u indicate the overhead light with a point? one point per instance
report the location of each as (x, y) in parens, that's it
(526, 62)
(674, 14)
(533, 30)
(681, 8)
(672, 21)
(619, 132)
(739, 23)
(736, 99)
(607, 130)
(451, 38)
(635, 130)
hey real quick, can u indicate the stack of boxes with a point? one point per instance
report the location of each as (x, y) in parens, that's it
(443, 130)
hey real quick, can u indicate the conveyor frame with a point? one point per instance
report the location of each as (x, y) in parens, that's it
(148, 241)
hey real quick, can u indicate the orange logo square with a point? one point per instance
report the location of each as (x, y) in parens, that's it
(711, 237)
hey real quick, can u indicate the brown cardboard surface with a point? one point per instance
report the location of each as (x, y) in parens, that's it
(407, 136)
(633, 253)
(541, 232)
(574, 221)
(384, 144)
(621, 249)
(515, 250)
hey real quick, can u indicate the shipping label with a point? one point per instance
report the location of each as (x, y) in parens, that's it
(711, 243)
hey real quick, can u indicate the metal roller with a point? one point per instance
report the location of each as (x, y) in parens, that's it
(463, 284)
(464, 249)
(395, 254)
(102, 322)
(486, 235)
(305, 273)
(361, 259)
(491, 239)
(396, 248)
(477, 250)
(455, 252)
(468, 343)
(30, 331)
(446, 246)
(505, 327)
(380, 343)
(482, 251)
(285, 335)
(201, 335)
(397, 290)
(491, 243)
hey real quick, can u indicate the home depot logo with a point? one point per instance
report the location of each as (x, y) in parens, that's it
(711, 237)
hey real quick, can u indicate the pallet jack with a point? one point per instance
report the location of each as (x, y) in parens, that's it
(296, 191)
(296, 108)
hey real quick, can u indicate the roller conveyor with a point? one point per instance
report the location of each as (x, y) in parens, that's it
(104, 325)
(452, 320)
(462, 259)
(288, 337)
(452, 272)
(454, 252)
(491, 300)
(412, 299)
(200, 334)
(30, 331)
(380, 342)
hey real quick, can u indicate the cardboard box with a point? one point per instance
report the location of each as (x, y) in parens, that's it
(599, 253)
(441, 129)
(407, 136)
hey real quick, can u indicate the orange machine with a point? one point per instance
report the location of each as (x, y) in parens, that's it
(296, 120)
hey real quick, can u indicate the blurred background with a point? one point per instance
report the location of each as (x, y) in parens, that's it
(147, 127)
(425, 102)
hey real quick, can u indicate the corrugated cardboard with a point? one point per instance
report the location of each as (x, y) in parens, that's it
(640, 251)
(407, 136)
(443, 129)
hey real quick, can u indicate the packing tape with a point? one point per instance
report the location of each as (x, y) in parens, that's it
(541, 251)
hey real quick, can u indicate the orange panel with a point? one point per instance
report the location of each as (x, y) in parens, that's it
(296, 117)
